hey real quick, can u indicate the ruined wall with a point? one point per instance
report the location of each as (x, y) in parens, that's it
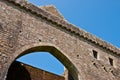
(37, 74)
(22, 29)
(21, 71)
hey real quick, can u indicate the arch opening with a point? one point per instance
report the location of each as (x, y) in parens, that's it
(44, 61)
(55, 52)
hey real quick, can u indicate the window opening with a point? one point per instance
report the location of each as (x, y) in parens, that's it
(111, 61)
(95, 54)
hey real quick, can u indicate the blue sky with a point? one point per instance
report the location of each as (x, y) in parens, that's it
(43, 60)
(99, 17)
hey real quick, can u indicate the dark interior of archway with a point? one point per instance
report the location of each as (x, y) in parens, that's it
(17, 72)
(70, 77)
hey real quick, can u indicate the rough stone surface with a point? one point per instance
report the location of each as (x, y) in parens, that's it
(52, 10)
(25, 28)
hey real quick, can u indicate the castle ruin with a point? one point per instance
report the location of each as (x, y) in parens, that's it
(26, 28)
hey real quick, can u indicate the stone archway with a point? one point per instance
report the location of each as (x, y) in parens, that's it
(55, 51)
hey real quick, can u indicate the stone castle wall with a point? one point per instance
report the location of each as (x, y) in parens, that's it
(20, 71)
(26, 28)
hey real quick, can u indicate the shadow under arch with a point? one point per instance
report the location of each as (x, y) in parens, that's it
(15, 73)
(52, 49)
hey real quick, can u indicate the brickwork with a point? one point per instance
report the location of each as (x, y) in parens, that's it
(20, 71)
(26, 28)
(37, 74)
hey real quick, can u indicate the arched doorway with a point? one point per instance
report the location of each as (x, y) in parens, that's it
(55, 51)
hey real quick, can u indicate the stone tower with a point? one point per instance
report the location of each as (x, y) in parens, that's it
(26, 28)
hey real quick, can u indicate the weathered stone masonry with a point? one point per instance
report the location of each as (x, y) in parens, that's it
(26, 28)
(20, 71)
